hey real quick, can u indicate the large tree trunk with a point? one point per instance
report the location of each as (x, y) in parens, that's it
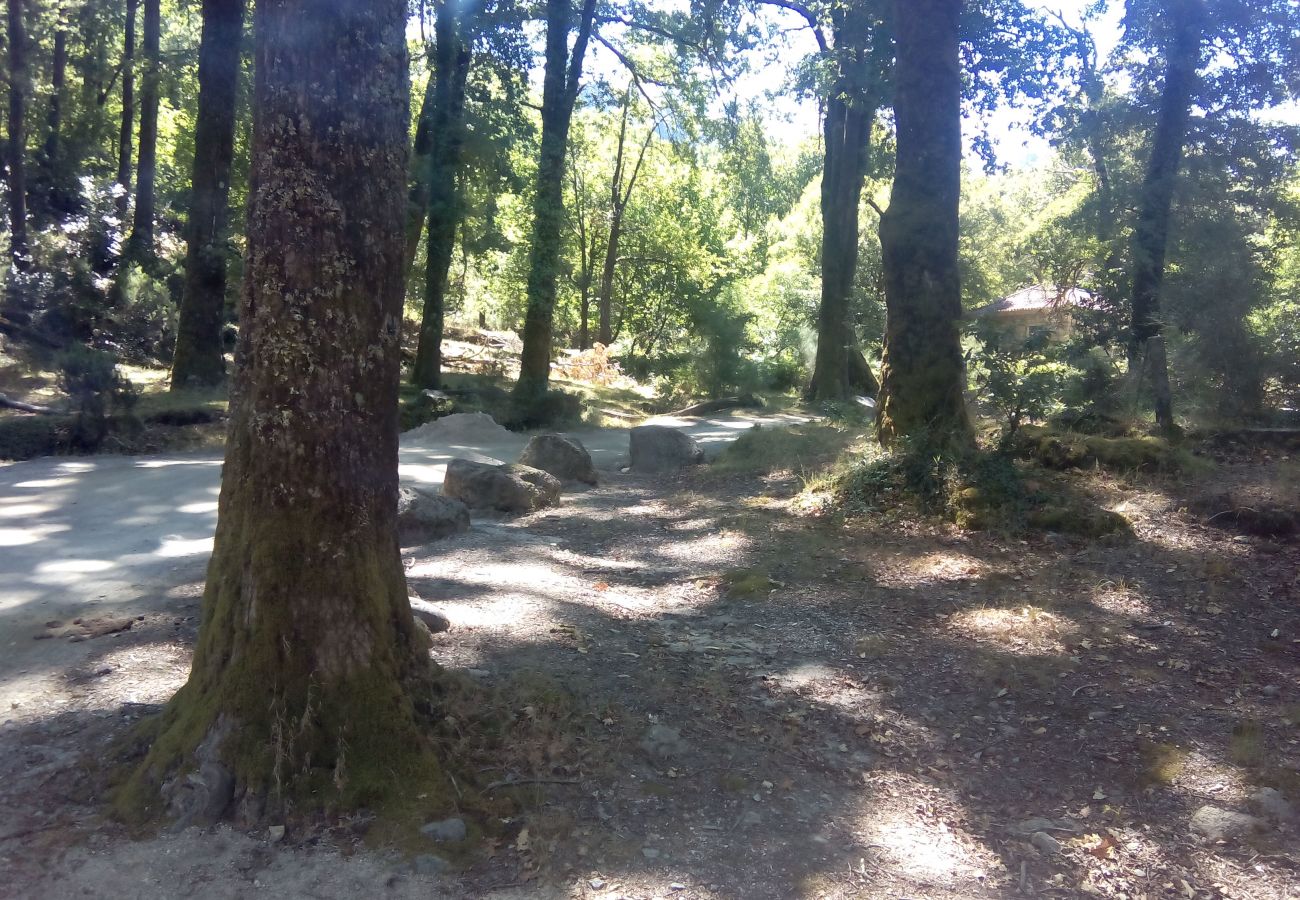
(849, 117)
(559, 93)
(922, 374)
(199, 357)
(126, 129)
(303, 687)
(140, 245)
(451, 69)
(17, 147)
(1151, 236)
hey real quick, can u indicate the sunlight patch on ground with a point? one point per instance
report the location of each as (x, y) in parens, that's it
(73, 566)
(719, 547)
(199, 508)
(46, 483)
(176, 546)
(948, 567)
(23, 510)
(1122, 598)
(1023, 629)
(18, 537)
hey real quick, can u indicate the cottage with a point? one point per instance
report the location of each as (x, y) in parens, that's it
(1035, 309)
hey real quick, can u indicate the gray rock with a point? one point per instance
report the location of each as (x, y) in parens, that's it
(1045, 843)
(200, 797)
(1271, 690)
(658, 448)
(751, 818)
(649, 852)
(423, 516)
(1215, 824)
(1272, 805)
(275, 833)
(445, 830)
(429, 614)
(663, 742)
(563, 457)
(510, 489)
(428, 864)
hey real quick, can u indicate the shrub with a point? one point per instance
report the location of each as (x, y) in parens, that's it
(1017, 377)
(97, 393)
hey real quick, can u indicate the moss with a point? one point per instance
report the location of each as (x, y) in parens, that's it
(1077, 518)
(26, 437)
(1072, 450)
(763, 451)
(747, 583)
(1161, 763)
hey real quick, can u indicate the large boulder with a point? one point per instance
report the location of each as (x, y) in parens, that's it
(423, 516)
(658, 448)
(563, 457)
(512, 489)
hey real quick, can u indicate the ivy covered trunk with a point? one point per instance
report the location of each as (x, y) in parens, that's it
(559, 93)
(446, 138)
(126, 128)
(16, 148)
(922, 374)
(850, 113)
(1185, 20)
(199, 358)
(303, 689)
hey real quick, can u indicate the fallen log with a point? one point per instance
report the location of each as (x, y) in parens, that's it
(744, 401)
(19, 405)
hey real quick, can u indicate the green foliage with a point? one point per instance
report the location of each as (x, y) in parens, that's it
(1017, 377)
(99, 394)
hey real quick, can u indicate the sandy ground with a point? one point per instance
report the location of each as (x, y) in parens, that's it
(753, 704)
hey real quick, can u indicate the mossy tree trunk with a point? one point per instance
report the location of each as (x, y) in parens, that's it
(559, 93)
(199, 357)
(303, 683)
(1186, 22)
(922, 374)
(446, 138)
(140, 245)
(620, 194)
(850, 113)
(126, 129)
(55, 192)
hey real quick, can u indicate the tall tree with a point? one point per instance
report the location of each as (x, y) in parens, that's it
(1185, 26)
(304, 682)
(126, 129)
(140, 246)
(621, 184)
(560, 84)
(199, 357)
(17, 147)
(453, 35)
(55, 195)
(858, 54)
(922, 375)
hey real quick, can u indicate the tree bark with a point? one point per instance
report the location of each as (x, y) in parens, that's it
(619, 197)
(140, 246)
(303, 689)
(850, 113)
(55, 193)
(922, 375)
(1185, 18)
(126, 129)
(447, 138)
(559, 94)
(199, 356)
(17, 147)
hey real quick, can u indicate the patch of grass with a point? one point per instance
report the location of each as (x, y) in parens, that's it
(1246, 746)
(748, 583)
(1161, 763)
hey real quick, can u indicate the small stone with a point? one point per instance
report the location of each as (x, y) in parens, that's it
(478, 673)
(676, 886)
(428, 864)
(1269, 803)
(1271, 690)
(1045, 843)
(1215, 824)
(751, 818)
(649, 852)
(596, 883)
(663, 742)
(445, 830)
(275, 833)
(429, 614)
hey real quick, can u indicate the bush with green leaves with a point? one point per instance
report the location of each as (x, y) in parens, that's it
(98, 394)
(1018, 377)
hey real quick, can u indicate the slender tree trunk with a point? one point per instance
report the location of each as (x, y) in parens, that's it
(199, 357)
(53, 173)
(17, 147)
(126, 130)
(850, 114)
(306, 684)
(559, 94)
(447, 138)
(1151, 236)
(922, 375)
(140, 245)
(417, 204)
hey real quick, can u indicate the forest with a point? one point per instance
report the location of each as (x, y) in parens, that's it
(629, 448)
